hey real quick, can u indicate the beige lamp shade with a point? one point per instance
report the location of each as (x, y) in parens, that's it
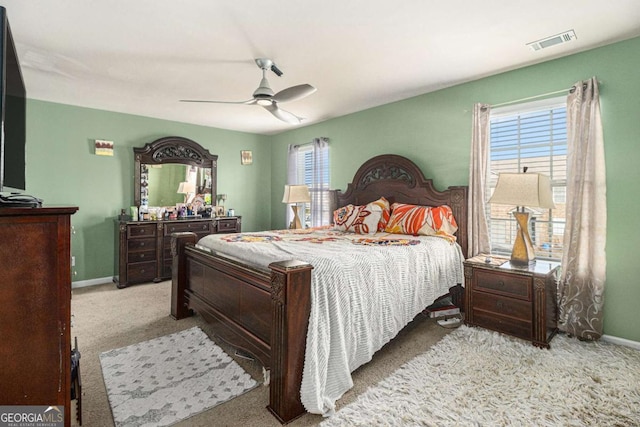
(523, 189)
(296, 194)
(186, 188)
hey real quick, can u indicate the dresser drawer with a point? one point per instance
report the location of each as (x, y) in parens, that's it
(141, 271)
(202, 227)
(227, 225)
(141, 256)
(503, 284)
(516, 327)
(142, 230)
(137, 245)
(504, 306)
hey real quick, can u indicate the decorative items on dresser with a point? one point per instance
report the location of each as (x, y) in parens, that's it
(515, 300)
(35, 296)
(144, 247)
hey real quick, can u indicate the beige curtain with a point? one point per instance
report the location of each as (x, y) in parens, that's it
(581, 286)
(478, 233)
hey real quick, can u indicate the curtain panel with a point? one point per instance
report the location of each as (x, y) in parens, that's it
(319, 188)
(477, 229)
(581, 286)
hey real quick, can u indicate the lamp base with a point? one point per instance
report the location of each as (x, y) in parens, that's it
(295, 223)
(523, 253)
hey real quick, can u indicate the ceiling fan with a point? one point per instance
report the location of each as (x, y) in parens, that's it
(266, 98)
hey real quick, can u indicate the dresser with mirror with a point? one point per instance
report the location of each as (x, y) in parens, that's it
(175, 182)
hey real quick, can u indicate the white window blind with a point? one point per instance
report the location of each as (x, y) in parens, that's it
(530, 135)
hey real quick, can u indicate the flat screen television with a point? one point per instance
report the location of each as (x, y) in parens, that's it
(12, 113)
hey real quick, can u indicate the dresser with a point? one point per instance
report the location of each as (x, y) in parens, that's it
(35, 296)
(519, 301)
(144, 247)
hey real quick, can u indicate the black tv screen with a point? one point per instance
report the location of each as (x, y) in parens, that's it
(12, 114)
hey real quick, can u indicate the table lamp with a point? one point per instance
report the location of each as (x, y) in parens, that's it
(294, 194)
(523, 189)
(188, 189)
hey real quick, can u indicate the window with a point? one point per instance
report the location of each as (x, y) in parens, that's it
(311, 167)
(532, 135)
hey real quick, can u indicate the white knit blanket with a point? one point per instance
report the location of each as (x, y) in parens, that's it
(364, 290)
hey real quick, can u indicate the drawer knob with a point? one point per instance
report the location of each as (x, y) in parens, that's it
(141, 255)
(500, 305)
(500, 283)
(142, 231)
(141, 243)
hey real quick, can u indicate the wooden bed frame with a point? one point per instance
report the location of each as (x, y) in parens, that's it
(266, 313)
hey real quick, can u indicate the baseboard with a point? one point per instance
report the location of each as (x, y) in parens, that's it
(92, 282)
(621, 341)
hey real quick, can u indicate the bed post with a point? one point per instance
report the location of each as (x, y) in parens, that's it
(291, 307)
(179, 309)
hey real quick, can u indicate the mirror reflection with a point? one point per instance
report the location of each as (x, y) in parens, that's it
(169, 184)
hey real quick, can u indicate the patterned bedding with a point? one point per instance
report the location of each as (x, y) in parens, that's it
(364, 290)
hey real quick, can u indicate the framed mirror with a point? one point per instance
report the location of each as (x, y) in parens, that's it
(164, 166)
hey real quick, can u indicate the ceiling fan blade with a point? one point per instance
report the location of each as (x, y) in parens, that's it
(293, 93)
(248, 102)
(283, 115)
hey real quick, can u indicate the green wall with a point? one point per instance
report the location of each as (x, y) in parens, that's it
(62, 169)
(435, 131)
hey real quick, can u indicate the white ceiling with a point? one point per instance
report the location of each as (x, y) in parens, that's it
(143, 56)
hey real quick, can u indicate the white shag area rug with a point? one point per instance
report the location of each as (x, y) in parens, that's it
(165, 380)
(475, 377)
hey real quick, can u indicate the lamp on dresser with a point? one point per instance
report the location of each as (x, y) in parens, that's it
(188, 189)
(523, 189)
(294, 194)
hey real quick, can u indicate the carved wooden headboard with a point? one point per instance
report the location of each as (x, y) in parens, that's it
(398, 179)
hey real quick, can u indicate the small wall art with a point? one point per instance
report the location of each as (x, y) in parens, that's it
(104, 148)
(246, 157)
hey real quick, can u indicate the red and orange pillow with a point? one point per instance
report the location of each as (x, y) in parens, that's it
(422, 220)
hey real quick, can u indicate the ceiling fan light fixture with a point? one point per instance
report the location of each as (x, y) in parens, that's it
(264, 102)
(264, 90)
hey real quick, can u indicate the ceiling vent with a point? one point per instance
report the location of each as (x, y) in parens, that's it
(565, 37)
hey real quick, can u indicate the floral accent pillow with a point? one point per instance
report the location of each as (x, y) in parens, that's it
(358, 219)
(422, 220)
(386, 212)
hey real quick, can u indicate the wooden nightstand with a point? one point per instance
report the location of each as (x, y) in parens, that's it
(519, 301)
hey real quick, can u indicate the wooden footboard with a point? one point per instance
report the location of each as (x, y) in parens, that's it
(263, 313)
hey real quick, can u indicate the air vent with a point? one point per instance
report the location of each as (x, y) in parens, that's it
(565, 37)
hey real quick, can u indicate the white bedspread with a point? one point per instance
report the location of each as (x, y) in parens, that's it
(363, 292)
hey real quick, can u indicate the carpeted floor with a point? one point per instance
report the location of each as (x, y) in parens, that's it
(105, 318)
(475, 377)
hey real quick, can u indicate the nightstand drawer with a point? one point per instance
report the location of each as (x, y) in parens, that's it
(504, 284)
(502, 305)
(507, 325)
